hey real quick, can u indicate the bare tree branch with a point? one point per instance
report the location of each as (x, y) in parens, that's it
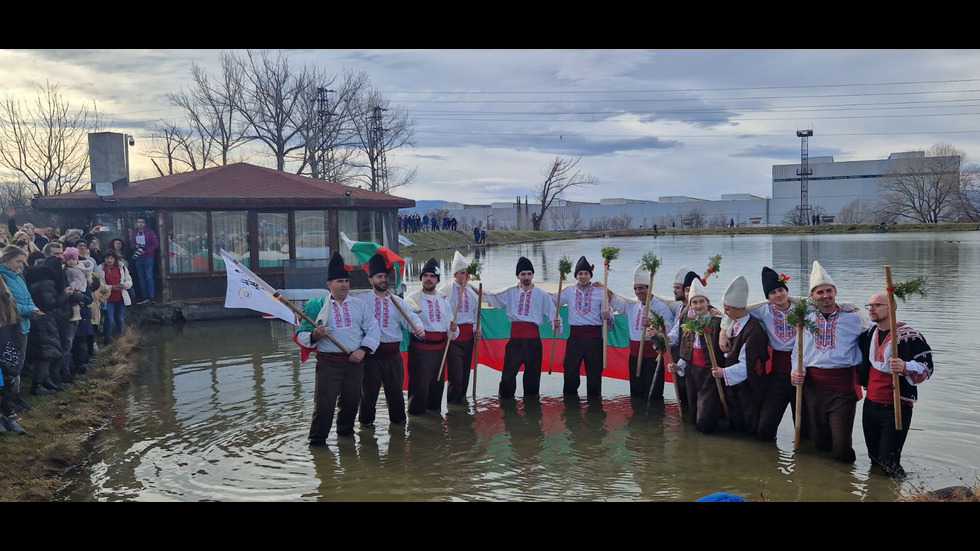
(563, 174)
(925, 189)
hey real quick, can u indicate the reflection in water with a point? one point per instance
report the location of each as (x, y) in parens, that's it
(220, 409)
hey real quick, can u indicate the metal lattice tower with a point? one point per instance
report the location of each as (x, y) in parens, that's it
(377, 146)
(804, 173)
(324, 152)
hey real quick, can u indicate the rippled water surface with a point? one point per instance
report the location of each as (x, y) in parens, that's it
(220, 410)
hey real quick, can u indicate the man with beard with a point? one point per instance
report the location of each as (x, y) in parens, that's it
(829, 361)
(584, 344)
(339, 374)
(424, 356)
(385, 367)
(460, 295)
(913, 365)
(527, 307)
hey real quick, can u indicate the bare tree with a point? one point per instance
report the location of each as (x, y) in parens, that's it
(695, 218)
(46, 145)
(568, 218)
(380, 130)
(563, 174)
(797, 217)
(214, 127)
(967, 206)
(925, 189)
(275, 102)
(332, 141)
(856, 212)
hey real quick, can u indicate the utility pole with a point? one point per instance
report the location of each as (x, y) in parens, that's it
(804, 173)
(323, 162)
(377, 146)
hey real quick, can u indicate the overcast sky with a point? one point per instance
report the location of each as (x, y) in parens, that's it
(647, 123)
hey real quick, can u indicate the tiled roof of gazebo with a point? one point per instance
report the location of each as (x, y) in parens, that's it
(235, 186)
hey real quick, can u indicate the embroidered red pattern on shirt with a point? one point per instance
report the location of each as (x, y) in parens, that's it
(435, 313)
(824, 339)
(879, 348)
(381, 310)
(583, 301)
(784, 332)
(524, 304)
(466, 299)
(338, 322)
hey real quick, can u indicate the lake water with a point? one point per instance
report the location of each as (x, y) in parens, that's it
(220, 410)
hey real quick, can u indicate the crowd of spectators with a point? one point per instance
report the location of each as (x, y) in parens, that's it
(413, 223)
(59, 292)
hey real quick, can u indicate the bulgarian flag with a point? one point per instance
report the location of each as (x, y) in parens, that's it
(496, 332)
(364, 250)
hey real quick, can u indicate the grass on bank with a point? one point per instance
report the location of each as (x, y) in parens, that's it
(439, 240)
(33, 465)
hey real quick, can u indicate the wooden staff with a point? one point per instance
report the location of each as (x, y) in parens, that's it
(714, 364)
(402, 312)
(643, 334)
(476, 341)
(893, 330)
(799, 388)
(673, 376)
(445, 351)
(303, 315)
(554, 333)
(605, 308)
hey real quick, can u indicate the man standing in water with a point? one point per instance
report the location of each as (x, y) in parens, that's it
(424, 356)
(464, 302)
(829, 361)
(339, 374)
(527, 306)
(584, 344)
(385, 367)
(913, 367)
(638, 322)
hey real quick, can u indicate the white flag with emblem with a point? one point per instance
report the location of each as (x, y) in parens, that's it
(247, 290)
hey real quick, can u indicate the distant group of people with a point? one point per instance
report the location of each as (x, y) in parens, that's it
(736, 369)
(58, 292)
(413, 223)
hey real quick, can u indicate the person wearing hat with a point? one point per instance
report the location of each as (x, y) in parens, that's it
(584, 344)
(744, 371)
(641, 333)
(682, 287)
(424, 356)
(527, 307)
(829, 361)
(385, 366)
(913, 365)
(460, 354)
(339, 374)
(693, 363)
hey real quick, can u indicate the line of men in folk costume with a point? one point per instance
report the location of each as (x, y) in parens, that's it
(754, 347)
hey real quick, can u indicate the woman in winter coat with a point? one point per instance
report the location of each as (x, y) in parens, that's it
(46, 282)
(12, 262)
(117, 277)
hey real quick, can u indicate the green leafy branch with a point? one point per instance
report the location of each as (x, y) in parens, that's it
(564, 267)
(609, 254)
(915, 286)
(474, 269)
(714, 265)
(650, 262)
(797, 316)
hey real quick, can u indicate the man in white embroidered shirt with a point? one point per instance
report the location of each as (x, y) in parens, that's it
(829, 360)
(339, 372)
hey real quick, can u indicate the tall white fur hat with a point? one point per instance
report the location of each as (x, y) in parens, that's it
(459, 262)
(641, 276)
(679, 276)
(697, 290)
(819, 276)
(737, 293)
